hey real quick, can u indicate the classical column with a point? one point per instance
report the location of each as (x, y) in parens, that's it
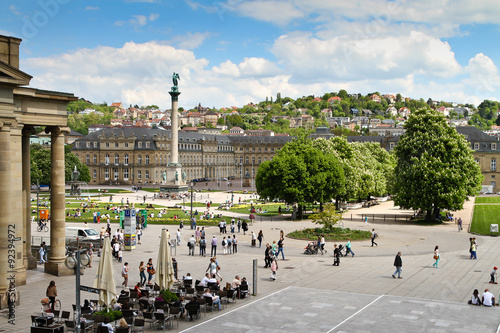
(16, 199)
(28, 259)
(175, 126)
(7, 259)
(55, 265)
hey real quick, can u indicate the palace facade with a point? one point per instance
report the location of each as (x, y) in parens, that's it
(135, 155)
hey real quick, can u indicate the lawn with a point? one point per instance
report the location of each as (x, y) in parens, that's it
(488, 199)
(167, 218)
(268, 209)
(483, 217)
(334, 234)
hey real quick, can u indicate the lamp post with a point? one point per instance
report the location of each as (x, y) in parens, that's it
(191, 200)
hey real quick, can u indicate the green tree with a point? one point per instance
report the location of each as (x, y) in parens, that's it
(327, 217)
(300, 173)
(435, 168)
(40, 161)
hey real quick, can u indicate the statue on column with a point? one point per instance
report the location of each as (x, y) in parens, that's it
(176, 175)
(184, 176)
(175, 80)
(164, 176)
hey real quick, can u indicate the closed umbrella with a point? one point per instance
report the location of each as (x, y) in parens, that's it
(165, 270)
(105, 278)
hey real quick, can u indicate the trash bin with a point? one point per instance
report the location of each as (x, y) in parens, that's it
(494, 228)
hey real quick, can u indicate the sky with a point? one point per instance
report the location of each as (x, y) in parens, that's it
(233, 52)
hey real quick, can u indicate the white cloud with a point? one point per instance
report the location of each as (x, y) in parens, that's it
(138, 20)
(15, 10)
(190, 41)
(484, 78)
(91, 8)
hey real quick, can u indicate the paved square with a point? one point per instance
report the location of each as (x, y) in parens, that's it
(297, 309)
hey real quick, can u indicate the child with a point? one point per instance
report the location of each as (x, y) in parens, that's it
(493, 275)
(120, 256)
(274, 269)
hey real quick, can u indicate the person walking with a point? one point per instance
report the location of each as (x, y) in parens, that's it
(336, 255)
(398, 262)
(437, 257)
(374, 234)
(51, 293)
(235, 244)
(213, 252)
(366, 221)
(260, 237)
(322, 244)
(151, 270)
(142, 273)
(203, 246)
(473, 248)
(493, 275)
(348, 247)
(191, 245)
(274, 269)
(41, 251)
(125, 269)
(280, 249)
(224, 245)
(179, 236)
(459, 223)
(238, 224)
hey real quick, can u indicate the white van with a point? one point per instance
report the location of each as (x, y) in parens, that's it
(82, 233)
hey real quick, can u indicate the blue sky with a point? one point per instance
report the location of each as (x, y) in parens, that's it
(232, 52)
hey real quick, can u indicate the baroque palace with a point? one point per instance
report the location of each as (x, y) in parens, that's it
(137, 155)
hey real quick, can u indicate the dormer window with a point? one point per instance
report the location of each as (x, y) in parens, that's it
(493, 146)
(476, 146)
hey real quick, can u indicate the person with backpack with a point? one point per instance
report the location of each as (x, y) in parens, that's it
(191, 245)
(280, 249)
(203, 246)
(224, 246)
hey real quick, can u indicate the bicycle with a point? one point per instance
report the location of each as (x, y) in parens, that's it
(42, 227)
(46, 306)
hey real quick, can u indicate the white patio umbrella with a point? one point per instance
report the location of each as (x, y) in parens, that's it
(165, 270)
(105, 278)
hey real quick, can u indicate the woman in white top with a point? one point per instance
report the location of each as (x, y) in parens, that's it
(437, 257)
(125, 269)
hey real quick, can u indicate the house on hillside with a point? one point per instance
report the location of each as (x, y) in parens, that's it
(376, 98)
(404, 112)
(117, 105)
(391, 110)
(334, 99)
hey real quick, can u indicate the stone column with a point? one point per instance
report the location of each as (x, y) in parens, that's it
(16, 199)
(55, 265)
(175, 126)
(29, 260)
(7, 259)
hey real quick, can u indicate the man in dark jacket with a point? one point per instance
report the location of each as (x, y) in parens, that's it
(267, 256)
(398, 263)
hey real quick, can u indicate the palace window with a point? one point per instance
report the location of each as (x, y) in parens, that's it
(125, 160)
(147, 174)
(476, 146)
(493, 146)
(139, 144)
(139, 159)
(106, 173)
(87, 159)
(95, 173)
(493, 164)
(95, 159)
(106, 159)
(107, 144)
(259, 161)
(95, 144)
(116, 144)
(126, 144)
(116, 173)
(87, 144)
(139, 174)
(148, 144)
(125, 174)
(77, 144)
(147, 159)
(117, 159)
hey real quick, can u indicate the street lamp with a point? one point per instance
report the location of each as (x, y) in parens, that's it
(191, 201)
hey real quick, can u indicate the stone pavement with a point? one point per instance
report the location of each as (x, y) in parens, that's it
(367, 274)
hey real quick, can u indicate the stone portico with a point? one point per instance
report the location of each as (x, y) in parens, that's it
(21, 109)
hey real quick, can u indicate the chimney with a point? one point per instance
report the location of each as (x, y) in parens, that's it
(9, 50)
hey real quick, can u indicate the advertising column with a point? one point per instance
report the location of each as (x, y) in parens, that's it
(129, 225)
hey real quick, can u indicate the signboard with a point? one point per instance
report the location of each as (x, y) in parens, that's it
(90, 289)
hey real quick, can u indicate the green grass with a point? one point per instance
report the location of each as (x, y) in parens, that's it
(488, 199)
(335, 234)
(483, 217)
(271, 208)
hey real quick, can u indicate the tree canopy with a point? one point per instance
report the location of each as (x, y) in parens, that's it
(41, 165)
(435, 167)
(300, 173)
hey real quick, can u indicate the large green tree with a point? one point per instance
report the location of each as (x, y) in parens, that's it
(435, 167)
(41, 165)
(300, 173)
